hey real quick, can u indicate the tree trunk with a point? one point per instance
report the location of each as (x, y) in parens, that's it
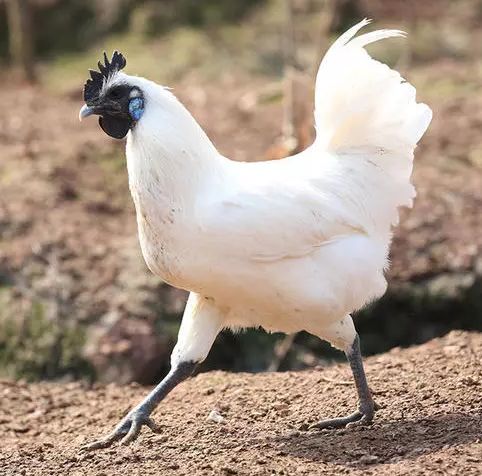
(19, 17)
(290, 63)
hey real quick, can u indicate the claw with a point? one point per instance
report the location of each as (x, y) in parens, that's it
(102, 443)
(358, 418)
(127, 431)
(133, 433)
(153, 425)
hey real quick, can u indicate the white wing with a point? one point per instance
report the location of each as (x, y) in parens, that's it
(276, 219)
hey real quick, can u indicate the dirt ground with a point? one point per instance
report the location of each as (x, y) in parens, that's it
(430, 421)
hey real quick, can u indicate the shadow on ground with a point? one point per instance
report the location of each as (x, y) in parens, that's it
(392, 441)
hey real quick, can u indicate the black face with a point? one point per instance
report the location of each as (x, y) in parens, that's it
(113, 108)
(119, 106)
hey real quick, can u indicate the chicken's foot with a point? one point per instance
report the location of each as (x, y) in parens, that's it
(130, 426)
(366, 406)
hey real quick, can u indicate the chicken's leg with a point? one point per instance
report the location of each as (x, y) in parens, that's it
(366, 405)
(130, 426)
(200, 325)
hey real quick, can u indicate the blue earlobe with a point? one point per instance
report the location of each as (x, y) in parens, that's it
(136, 108)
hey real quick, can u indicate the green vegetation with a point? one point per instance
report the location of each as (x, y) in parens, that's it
(34, 346)
(75, 25)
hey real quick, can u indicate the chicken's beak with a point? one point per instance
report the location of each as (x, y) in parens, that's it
(85, 111)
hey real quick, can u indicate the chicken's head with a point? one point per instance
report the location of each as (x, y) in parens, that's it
(109, 94)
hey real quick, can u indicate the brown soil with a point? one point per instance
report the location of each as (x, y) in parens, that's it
(430, 421)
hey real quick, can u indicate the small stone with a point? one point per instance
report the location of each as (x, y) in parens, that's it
(215, 417)
(20, 428)
(368, 459)
(228, 470)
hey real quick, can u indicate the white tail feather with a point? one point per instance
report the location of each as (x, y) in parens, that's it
(367, 112)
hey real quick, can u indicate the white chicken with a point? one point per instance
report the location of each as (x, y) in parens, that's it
(288, 245)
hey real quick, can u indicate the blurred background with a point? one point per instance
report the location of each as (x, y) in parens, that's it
(76, 299)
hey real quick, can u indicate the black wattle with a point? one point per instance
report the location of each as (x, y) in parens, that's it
(114, 126)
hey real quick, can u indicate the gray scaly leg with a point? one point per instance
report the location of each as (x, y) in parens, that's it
(366, 405)
(129, 428)
(201, 322)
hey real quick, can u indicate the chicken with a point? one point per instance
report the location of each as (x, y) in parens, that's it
(287, 245)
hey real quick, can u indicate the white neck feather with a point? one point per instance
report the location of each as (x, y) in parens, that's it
(167, 151)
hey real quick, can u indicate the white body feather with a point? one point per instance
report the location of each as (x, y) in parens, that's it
(289, 245)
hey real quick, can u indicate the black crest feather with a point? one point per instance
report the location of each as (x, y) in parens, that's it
(93, 86)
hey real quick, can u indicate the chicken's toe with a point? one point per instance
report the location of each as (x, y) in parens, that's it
(363, 416)
(126, 431)
(340, 422)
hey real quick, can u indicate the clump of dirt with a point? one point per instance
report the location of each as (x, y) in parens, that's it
(430, 421)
